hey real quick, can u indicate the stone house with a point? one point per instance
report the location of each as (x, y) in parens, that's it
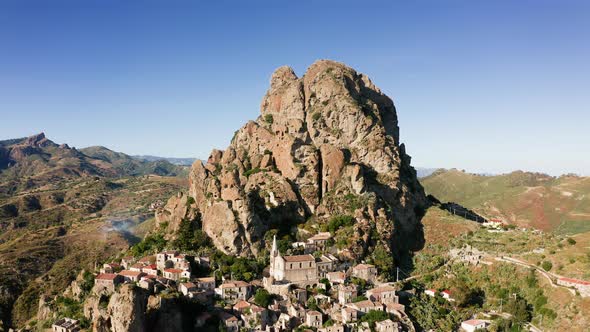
(131, 276)
(296, 312)
(127, 261)
(338, 277)
(176, 274)
(283, 323)
(172, 259)
(107, 281)
(234, 290)
(387, 326)
(346, 293)
(206, 283)
(136, 267)
(364, 307)
(300, 294)
(110, 268)
(383, 294)
(318, 242)
(325, 263)
(163, 257)
(150, 269)
(349, 314)
(147, 283)
(366, 272)
(333, 328)
(187, 287)
(147, 260)
(66, 325)
(230, 322)
(474, 324)
(252, 315)
(395, 308)
(313, 319)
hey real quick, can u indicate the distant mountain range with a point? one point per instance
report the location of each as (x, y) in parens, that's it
(33, 162)
(424, 171)
(175, 161)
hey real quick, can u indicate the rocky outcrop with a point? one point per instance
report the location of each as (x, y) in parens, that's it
(123, 311)
(169, 217)
(324, 144)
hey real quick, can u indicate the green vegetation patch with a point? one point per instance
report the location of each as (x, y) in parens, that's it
(571, 227)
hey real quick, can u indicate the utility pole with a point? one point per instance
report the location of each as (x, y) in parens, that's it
(397, 276)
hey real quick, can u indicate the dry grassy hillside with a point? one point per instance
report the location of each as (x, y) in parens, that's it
(59, 231)
(558, 204)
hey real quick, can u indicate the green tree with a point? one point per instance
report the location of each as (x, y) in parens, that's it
(519, 309)
(374, 316)
(383, 260)
(263, 298)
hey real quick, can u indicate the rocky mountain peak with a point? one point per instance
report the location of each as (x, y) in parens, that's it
(325, 144)
(38, 140)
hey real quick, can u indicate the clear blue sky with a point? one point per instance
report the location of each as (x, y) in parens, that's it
(488, 86)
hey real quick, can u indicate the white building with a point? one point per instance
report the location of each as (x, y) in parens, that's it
(474, 324)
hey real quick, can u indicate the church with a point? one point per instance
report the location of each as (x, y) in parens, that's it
(298, 269)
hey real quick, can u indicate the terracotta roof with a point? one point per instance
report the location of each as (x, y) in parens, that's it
(128, 273)
(339, 274)
(149, 276)
(321, 236)
(474, 322)
(382, 289)
(575, 281)
(234, 283)
(396, 306)
(314, 313)
(363, 267)
(173, 270)
(385, 322)
(256, 308)
(206, 279)
(241, 305)
(299, 258)
(446, 291)
(106, 276)
(137, 265)
(189, 285)
(227, 317)
(366, 304)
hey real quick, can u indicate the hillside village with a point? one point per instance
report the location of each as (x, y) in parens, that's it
(310, 291)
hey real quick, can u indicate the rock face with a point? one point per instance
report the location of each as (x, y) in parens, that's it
(125, 310)
(324, 144)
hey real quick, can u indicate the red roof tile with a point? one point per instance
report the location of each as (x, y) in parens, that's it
(106, 276)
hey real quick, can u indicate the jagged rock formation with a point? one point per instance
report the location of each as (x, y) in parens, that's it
(132, 309)
(324, 144)
(125, 311)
